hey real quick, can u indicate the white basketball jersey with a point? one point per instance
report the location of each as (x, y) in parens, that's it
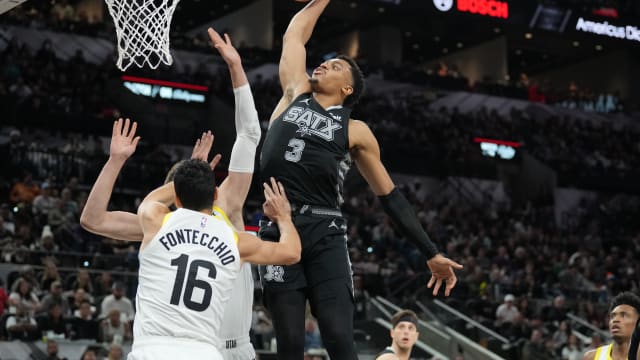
(236, 322)
(187, 272)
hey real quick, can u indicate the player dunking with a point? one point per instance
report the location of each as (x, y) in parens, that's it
(309, 147)
(189, 261)
(623, 316)
(235, 344)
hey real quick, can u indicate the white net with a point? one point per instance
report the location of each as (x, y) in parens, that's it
(142, 29)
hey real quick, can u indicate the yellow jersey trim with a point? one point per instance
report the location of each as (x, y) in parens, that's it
(221, 215)
(604, 353)
(166, 218)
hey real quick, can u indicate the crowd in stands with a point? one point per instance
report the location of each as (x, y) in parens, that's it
(404, 124)
(524, 269)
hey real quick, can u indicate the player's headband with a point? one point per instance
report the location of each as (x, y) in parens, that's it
(407, 318)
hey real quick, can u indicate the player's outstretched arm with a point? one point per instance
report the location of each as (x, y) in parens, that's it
(366, 153)
(234, 189)
(152, 210)
(123, 225)
(284, 252)
(95, 218)
(293, 60)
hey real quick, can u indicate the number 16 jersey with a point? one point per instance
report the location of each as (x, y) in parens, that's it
(307, 149)
(187, 272)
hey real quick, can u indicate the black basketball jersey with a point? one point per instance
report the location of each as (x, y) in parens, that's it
(307, 149)
(387, 350)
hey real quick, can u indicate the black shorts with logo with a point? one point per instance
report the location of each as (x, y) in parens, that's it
(325, 256)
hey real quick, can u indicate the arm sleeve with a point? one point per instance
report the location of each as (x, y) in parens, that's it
(401, 213)
(247, 131)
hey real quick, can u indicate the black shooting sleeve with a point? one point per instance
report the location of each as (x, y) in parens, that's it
(404, 217)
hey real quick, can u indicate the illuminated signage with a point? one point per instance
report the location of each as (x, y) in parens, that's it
(505, 150)
(550, 18)
(492, 8)
(167, 90)
(497, 9)
(606, 12)
(605, 29)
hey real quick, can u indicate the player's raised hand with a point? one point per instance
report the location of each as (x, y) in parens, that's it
(123, 139)
(224, 47)
(276, 205)
(442, 270)
(202, 148)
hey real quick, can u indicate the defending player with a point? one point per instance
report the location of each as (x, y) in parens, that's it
(189, 261)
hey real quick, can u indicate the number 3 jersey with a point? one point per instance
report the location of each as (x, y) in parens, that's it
(186, 275)
(307, 149)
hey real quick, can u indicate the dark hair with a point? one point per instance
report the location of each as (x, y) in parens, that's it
(404, 315)
(195, 184)
(626, 298)
(358, 81)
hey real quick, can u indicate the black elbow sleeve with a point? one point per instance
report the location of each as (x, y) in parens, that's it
(404, 217)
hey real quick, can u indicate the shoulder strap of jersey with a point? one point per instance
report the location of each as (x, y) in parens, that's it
(387, 350)
(219, 214)
(166, 217)
(603, 353)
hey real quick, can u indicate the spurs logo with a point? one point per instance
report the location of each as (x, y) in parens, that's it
(311, 123)
(274, 273)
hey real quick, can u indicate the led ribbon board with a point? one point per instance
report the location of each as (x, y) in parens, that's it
(604, 28)
(490, 8)
(166, 90)
(499, 149)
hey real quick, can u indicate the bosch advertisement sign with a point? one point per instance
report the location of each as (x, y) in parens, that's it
(490, 8)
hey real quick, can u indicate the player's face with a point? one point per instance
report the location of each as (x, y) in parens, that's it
(332, 76)
(404, 335)
(622, 322)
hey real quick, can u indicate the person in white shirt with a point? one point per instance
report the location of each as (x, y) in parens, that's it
(117, 300)
(507, 312)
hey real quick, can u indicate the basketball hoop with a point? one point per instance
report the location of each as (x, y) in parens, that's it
(142, 30)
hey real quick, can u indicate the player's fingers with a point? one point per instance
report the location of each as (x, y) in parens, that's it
(274, 186)
(116, 125)
(455, 265)
(436, 288)
(135, 141)
(431, 281)
(268, 193)
(203, 143)
(210, 138)
(451, 283)
(227, 39)
(125, 129)
(215, 161)
(214, 36)
(132, 132)
(281, 188)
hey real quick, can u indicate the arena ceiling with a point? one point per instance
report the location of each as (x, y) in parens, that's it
(429, 34)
